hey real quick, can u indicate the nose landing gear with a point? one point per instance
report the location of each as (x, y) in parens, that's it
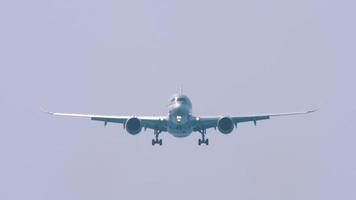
(203, 140)
(156, 140)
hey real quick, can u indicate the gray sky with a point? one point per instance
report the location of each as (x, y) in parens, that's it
(128, 57)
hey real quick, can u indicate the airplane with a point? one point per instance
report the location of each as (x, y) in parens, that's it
(180, 122)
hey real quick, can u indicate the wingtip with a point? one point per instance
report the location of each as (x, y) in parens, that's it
(46, 111)
(314, 110)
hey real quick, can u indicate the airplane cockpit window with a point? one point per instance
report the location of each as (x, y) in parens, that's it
(182, 100)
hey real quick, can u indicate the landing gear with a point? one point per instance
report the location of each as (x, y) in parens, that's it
(156, 140)
(203, 140)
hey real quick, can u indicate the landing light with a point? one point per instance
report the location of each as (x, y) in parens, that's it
(179, 118)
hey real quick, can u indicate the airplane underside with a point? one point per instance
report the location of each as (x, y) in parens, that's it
(181, 132)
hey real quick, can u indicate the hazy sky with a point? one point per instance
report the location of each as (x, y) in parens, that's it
(129, 57)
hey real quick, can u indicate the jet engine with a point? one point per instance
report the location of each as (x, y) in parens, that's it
(133, 125)
(225, 125)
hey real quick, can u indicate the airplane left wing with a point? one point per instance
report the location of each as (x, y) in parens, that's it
(212, 122)
(158, 123)
(254, 118)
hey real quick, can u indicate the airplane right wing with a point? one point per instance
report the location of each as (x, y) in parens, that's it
(157, 123)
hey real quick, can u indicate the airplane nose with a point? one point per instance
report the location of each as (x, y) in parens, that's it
(179, 110)
(179, 114)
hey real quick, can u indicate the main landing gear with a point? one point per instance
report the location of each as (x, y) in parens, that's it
(203, 140)
(156, 140)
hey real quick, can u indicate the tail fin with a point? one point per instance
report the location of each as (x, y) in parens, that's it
(180, 90)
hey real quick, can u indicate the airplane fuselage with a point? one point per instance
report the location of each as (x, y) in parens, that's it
(180, 122)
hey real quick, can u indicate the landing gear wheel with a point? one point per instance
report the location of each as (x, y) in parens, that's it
(203, 140)
(156, 140)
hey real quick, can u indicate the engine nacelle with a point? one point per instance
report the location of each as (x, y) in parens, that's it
(225, 125)
(133, 125)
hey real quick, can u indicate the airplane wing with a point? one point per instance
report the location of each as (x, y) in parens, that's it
(158, 123)
(212, 122)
